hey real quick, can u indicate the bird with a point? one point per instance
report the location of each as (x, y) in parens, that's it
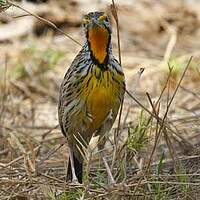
(91, 94)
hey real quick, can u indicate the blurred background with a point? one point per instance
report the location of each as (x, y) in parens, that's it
(154, 35)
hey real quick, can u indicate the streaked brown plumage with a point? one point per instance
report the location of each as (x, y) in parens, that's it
(91, 92)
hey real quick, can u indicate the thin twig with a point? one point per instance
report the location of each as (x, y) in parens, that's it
(51, 24)
(49, 154)
(3, 165)
(116, 136)
(115, 15)
(5, 91)
(162, 121)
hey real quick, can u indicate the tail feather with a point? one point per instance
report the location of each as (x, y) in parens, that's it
(78, 165)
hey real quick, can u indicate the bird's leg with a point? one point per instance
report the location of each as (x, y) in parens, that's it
(101, 144)
(108, 170)
(74, 178)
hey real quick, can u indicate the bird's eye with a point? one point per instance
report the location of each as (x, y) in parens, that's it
(85, 21)
(85, 17)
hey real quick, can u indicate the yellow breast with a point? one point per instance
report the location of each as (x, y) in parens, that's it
(101, 97)
(99, 103)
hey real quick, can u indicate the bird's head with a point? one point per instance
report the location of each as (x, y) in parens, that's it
(96, 20)
(98, 33)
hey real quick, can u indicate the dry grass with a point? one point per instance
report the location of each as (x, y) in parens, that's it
(156, 153)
